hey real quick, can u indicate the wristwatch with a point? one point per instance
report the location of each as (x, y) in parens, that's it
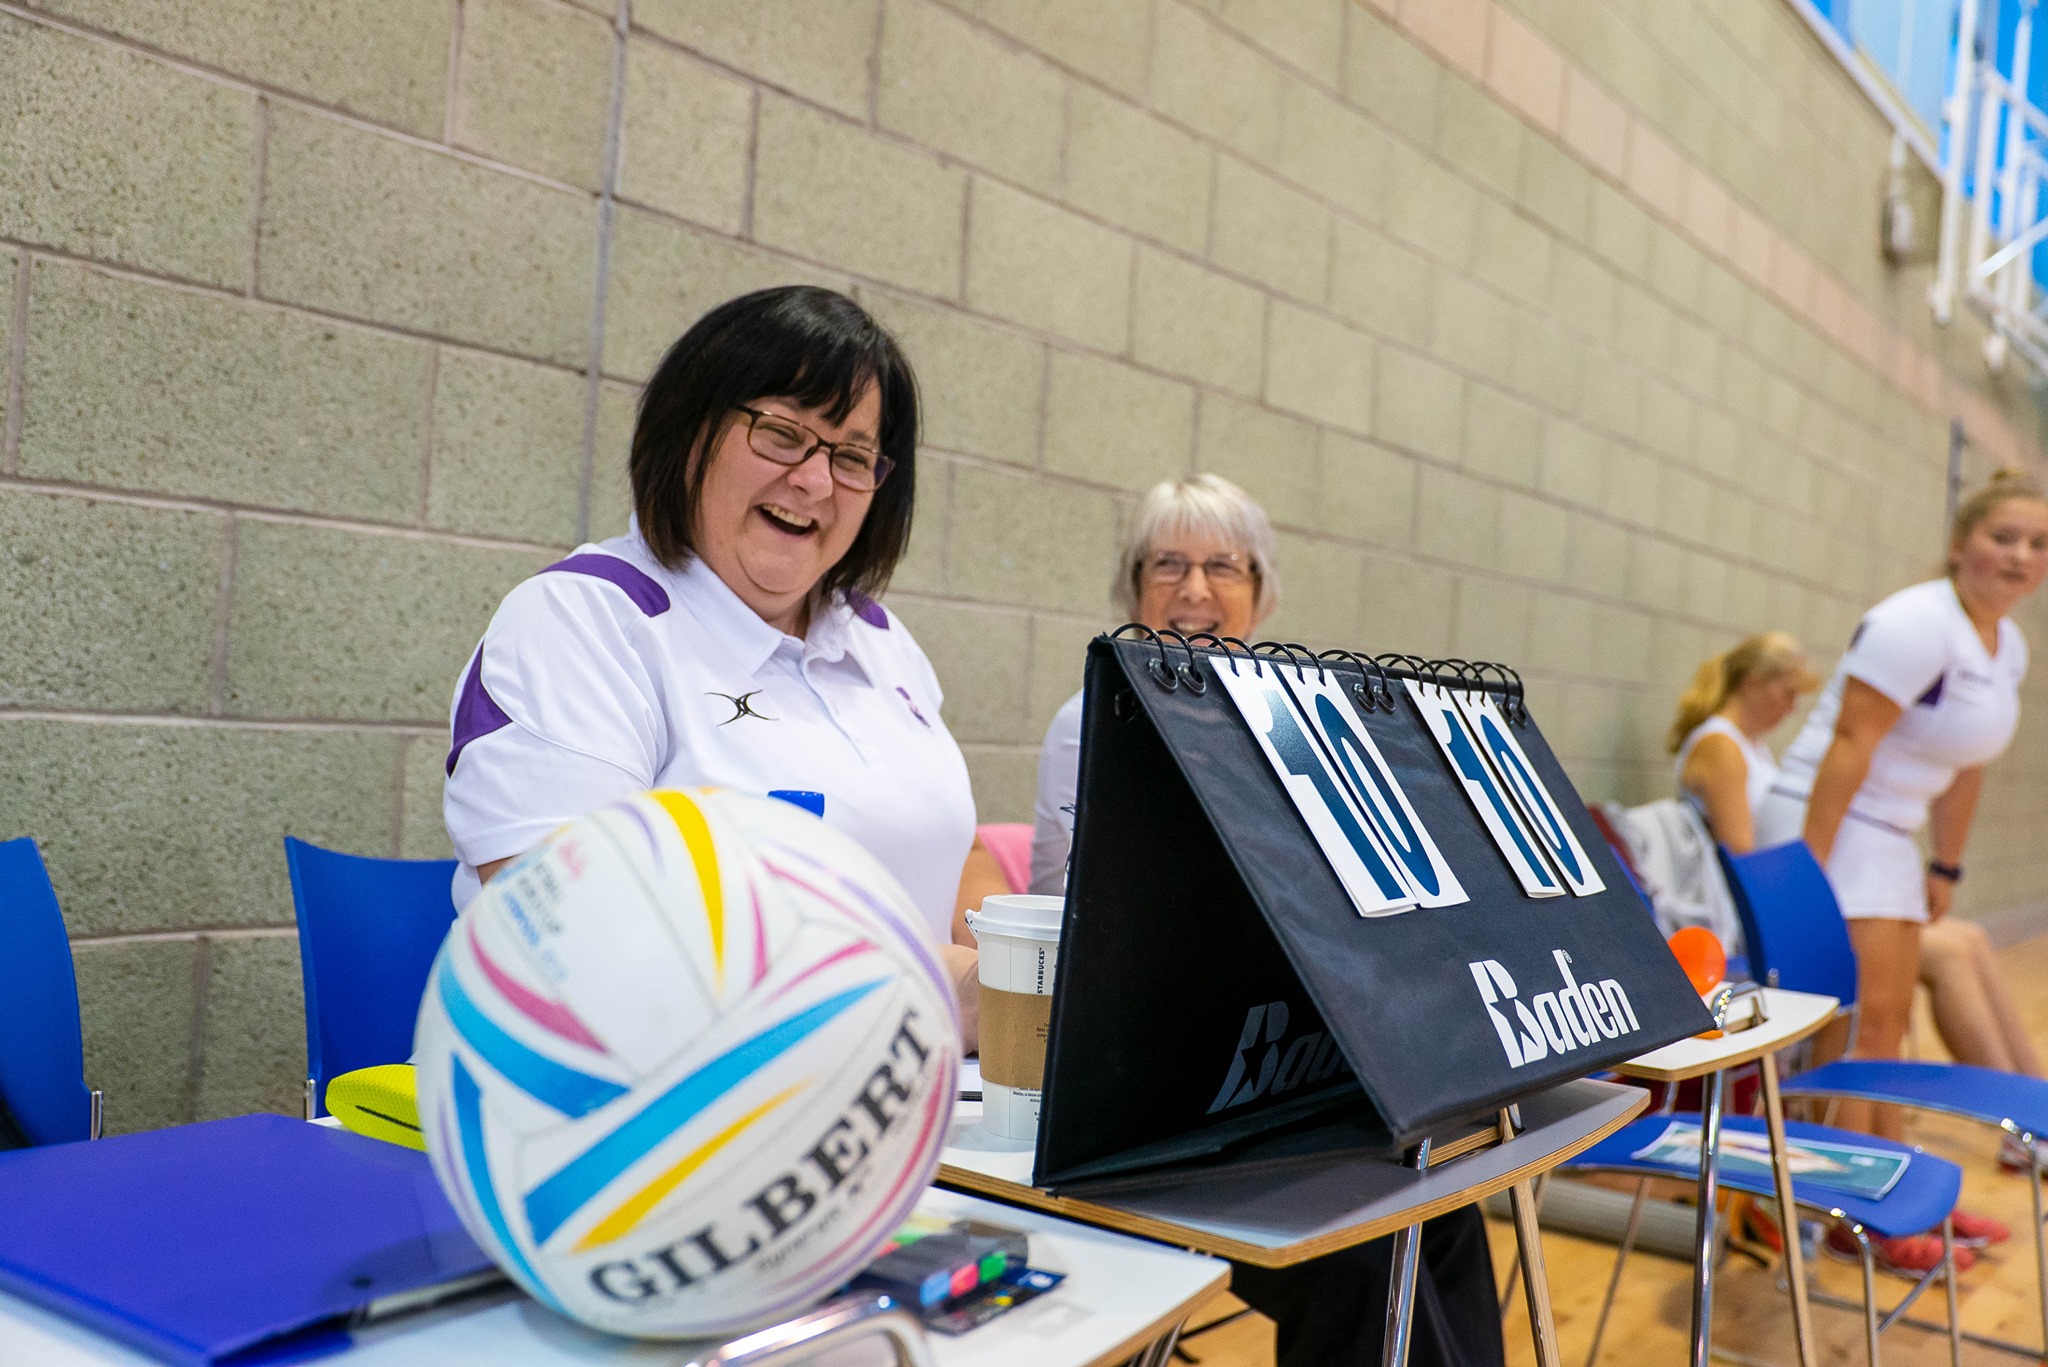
(1952, 872)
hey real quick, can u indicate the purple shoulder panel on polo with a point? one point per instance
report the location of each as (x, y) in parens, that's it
(867, 609)
(477, 713)
(648, 596)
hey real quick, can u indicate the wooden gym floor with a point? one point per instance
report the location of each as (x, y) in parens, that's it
(1651, 1316)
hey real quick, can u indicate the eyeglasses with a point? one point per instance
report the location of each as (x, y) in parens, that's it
(788, 442)
(1222, 571)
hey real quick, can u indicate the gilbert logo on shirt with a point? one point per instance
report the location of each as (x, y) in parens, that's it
(1553, 1022)
(742, 706)
(1312, 1057)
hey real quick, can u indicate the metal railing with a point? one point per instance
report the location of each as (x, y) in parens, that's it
(1992, 208)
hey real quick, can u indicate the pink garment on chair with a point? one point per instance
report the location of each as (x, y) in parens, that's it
(1010, 843)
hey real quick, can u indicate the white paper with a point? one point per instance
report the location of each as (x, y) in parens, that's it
(1544, 818)
(1369, 873)
(1482, 788)
(1358, 761)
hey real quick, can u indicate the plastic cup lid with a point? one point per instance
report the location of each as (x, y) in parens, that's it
(1019, 915)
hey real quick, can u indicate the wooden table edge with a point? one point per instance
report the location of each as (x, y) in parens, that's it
(1772, 1045)
(1167, 1232)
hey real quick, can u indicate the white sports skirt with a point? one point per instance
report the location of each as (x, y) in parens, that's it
(1876, 871)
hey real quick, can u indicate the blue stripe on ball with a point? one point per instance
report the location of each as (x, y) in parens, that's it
(551, 1204)
(469, 1122)
(567, 1089)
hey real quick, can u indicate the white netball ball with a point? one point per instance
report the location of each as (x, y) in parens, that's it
(684, 1066)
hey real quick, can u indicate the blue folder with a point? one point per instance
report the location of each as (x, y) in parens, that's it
(252, 1240)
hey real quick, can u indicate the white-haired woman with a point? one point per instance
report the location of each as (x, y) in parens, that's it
(1198, 557)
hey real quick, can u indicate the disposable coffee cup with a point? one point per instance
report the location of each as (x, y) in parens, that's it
(1019, 936)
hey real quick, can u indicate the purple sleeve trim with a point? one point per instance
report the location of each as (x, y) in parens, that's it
(477, 713)
(648, 596)
(867, 609)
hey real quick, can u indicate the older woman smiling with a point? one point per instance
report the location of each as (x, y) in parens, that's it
(1199, 557)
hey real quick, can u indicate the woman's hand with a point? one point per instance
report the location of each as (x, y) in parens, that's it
(1941, 894)
(963, 965)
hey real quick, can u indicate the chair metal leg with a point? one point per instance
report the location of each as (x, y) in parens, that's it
(1401, 1288)
(1948, 1249)
(2040, 1251)
(1788, 1212)
(312, 1101)
(1535, 1278)
(1628, 1243)
(1869, 1294)
(98, 1118)
(1160, 1352)
(1703, 1284)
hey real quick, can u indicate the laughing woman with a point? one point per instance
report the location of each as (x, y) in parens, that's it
(731, 637)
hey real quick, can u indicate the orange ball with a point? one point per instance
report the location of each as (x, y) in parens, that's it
(1699, 953)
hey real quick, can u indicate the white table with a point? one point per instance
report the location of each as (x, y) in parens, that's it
(1787, 1018)
(1121, 1294)
(1281, 1213)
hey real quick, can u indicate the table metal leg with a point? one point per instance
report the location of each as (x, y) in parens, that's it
(1401, 1283)
(1703, 1284)
(1788, 1212)
(1535, 1279)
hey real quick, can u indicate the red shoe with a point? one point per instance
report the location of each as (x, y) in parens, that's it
(1909, 1256)
(1975, 1231)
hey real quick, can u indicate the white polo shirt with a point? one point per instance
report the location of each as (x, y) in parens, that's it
(1959, 704)
(607, 674)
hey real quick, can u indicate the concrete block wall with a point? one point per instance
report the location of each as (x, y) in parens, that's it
(1551, 331)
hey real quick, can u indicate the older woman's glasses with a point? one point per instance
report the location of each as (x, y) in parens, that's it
(788, 442)
(1222, 571)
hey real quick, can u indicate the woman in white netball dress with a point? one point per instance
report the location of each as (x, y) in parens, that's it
(1926, 695)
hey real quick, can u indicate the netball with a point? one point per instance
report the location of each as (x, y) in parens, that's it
(684, 1066)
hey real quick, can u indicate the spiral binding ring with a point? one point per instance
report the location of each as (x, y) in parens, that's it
(1161, 669)
(1513, 705)
(1363, 690)
(1415, 664)
(1226, 642)
(1288, 649)
(1436, 670)
(1382, 682)
(1374, 689)
(1187, 673)
(1191, 672)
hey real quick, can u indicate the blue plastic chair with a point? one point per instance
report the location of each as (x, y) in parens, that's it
(1798, 940)
(42, 1054)
(1920, 1202)
(368, 933)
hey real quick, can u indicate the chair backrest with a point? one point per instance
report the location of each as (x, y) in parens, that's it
(1010, 843)
(1792, 923)
(42, 1055)
(368, 933)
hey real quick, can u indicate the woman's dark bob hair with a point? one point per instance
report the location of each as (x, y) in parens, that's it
(812, 346)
